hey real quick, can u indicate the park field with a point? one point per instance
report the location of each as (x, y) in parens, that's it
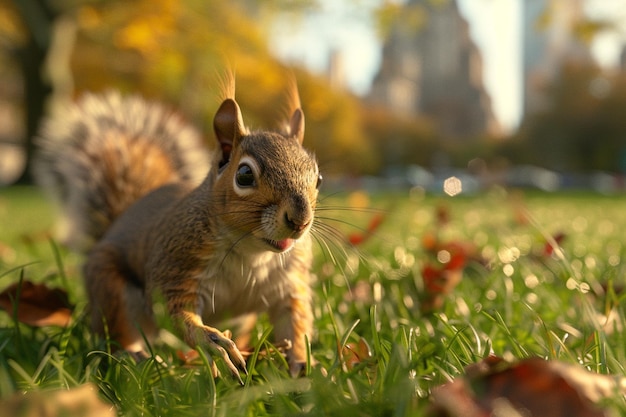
(411, 289)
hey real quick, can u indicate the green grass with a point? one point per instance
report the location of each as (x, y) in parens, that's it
(525, 304)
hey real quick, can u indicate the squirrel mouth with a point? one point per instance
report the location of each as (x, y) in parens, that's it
(280, 245)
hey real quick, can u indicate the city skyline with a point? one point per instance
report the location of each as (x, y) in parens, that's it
(495, 27)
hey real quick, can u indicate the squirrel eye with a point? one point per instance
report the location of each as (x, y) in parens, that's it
(245, 176)
(320, 179)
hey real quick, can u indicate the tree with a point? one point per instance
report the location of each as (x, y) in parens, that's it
(583, 128)
(174, 52)
(38, 17)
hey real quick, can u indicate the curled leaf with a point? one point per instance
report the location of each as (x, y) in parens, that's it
(356, 353)
(532, 387)
(37, 304)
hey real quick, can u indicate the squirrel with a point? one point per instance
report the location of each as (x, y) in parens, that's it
(218, 235)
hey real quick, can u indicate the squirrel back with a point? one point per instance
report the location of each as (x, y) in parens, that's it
(100, 155)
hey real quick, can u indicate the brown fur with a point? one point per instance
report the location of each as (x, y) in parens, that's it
(220, 249)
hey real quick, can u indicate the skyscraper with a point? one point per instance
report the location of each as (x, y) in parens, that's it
(550, 41)
(431, 67)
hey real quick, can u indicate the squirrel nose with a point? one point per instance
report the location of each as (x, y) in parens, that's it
(298, 214)
(297, 224)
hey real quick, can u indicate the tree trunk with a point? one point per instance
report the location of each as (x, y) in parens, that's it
(38, 17)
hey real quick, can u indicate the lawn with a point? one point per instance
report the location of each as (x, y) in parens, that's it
(541, 275)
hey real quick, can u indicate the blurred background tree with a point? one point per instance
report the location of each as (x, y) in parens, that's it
(582, 128)
(175, 52)
(27, 32)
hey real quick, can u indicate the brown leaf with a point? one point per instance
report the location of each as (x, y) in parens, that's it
(532, 387)
(82, 401)
(438, 283)
(455, 400)
(442, 215)
(360, 237)
(354, 354)
(37, 304)
(553, 243)
(189, 357)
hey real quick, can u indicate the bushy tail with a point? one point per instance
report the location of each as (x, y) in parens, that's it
(98, 156)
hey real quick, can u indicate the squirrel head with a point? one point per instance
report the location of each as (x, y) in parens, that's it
(267, 182)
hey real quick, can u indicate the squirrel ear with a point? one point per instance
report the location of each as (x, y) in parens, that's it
(228, 126)
(296, 125)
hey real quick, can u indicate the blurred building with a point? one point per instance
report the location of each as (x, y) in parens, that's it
(431, 67)
(550, 41)
(336, 70)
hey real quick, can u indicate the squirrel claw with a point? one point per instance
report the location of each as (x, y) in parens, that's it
(232, 357)
(228, 358)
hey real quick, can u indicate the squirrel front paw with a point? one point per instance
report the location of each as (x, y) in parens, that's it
(219, 345)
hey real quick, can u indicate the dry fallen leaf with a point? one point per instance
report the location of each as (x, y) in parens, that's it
(532, 387)
(37, 304)
(360, 237)
(82, 401)
(188, 357)
(444, 270)
(553, 243)
(442, 215)
(356, 353)
(438, 283)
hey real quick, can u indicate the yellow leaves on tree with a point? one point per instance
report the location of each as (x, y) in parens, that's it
(173, 51)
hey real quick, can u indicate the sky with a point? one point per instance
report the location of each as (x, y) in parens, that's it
(495, 26)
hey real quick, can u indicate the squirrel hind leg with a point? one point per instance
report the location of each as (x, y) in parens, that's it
(139, 326)
(244, 326)
(293, 322)
(119, 309)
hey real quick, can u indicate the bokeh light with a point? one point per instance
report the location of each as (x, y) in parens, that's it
(452, 186)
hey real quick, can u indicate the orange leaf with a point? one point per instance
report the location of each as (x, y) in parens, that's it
(438, 282)
(534, 387)
(460, 252)
(187, 357)
(353, 353)
(457, 261)
(548, 248)
(375, 223)
(37, 305)
(430, 241)
(358, 238)
(433, 279)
